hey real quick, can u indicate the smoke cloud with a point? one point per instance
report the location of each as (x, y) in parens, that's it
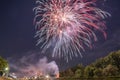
(31, 66)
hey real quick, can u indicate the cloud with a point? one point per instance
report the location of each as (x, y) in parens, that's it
(29, 66)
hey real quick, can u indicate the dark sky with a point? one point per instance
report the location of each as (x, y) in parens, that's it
(17, 31)
(16, 26)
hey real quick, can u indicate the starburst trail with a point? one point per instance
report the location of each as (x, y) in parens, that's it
(68, 26)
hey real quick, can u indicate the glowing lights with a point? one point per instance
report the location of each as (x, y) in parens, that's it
(69, 24)
(47, 76)
(6, 69)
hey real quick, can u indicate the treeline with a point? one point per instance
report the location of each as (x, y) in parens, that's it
(108, 66)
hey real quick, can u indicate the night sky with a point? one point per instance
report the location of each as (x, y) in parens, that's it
(17, 33)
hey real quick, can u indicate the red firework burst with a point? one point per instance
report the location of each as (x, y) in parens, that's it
(68, 25)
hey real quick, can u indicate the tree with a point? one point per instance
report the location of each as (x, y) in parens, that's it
(102, 62)
(103, 67)
(4, 67)
(110, 70)
(115, 59)
(89, 71)
(98, 72)
(67, 73)
(70, 73)
(78, 73)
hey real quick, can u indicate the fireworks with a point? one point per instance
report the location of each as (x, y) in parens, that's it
(68, 26)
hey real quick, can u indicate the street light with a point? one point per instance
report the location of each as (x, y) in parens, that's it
(6, 69)
(47, 77)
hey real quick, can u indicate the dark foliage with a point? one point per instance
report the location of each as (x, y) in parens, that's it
(108, 66)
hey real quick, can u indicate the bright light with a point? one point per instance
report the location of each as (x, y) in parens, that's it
(47, 76)
(6, 69)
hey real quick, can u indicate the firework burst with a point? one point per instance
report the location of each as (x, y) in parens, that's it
(68, 26)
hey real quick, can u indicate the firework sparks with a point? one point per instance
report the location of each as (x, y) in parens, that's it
(68, 25)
